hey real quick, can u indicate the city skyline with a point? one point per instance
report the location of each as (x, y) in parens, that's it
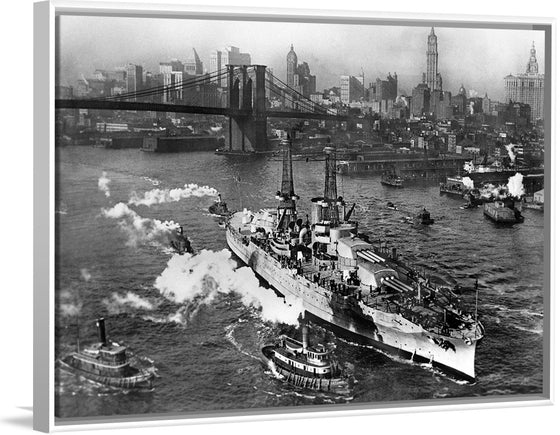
(487, 55)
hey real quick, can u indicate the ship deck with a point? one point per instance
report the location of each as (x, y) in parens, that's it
(428, 312)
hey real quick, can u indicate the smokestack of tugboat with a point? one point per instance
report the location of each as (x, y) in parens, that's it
(101, 331)
(305, 337)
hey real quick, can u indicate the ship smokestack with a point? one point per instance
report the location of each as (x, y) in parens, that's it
(101, 331)
(305, 337)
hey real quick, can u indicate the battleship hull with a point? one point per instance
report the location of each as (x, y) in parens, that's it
(362, 324)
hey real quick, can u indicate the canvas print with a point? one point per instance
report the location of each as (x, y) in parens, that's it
(274, 215)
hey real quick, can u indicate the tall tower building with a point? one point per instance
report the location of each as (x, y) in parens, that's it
(133, 78)
(527, 88)
(432, 77)
(291, 67)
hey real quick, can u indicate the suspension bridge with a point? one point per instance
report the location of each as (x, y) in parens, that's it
(247, 95)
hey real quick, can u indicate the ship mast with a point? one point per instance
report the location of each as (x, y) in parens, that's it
(286, 196)
(331, 198)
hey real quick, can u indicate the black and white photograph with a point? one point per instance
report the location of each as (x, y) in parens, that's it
(263, 215)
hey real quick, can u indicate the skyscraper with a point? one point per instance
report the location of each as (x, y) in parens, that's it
(193, 65)
(230, 56)
(298, 76)
(527, 88)
(291, 66)
(432, 77)
(133, 78)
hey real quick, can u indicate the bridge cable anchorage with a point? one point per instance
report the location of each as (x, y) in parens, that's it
(159, 90)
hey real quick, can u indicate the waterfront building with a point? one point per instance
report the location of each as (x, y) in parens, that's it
(528, 87)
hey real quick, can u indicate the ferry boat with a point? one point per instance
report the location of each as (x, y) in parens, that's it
(453, 186)
(219, 208)
(504, 212)
(302, 365)
(391, 179)
(362, 292)
(107, 363)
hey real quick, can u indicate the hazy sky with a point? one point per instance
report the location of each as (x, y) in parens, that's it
(477, 58)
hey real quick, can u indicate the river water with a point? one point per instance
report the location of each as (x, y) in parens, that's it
(190, 316)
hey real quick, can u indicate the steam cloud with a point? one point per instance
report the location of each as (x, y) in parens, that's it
(159, 196)
(195, 280)
(103, 184)
(141, 230)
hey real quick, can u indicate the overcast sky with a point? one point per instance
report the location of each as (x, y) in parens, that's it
(477, 58)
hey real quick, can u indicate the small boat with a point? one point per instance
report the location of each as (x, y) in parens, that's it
(302, 365)
(503, 212)
(181, 243)
(391, 206)
(107, 363)
(468, 205)
(219, 208)
(391, 179)
(424, 218)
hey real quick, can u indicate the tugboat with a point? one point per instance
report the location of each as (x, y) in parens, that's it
(391, 179)
(305, 366)
(362, 292)
(181, 244)
(107, 363)
(219, 208)
(504, 212)
(424, 218)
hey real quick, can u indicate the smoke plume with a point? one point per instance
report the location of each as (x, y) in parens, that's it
(468, 183)
(141, 230)
(159, 196)
(515, 186)
(103, 184)
(198, 279)
(511, 154)
(117, 302)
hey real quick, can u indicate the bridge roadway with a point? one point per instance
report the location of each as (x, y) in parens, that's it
(179, 108)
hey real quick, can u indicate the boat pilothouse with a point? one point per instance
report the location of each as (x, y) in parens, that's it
(366, 293)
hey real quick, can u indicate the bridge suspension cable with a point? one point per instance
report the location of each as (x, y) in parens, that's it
(162, 89)
(309, 103)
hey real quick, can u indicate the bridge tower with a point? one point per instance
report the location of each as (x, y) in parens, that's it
(247, 126)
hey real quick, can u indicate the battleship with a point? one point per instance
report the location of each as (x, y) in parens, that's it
(364, 293)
